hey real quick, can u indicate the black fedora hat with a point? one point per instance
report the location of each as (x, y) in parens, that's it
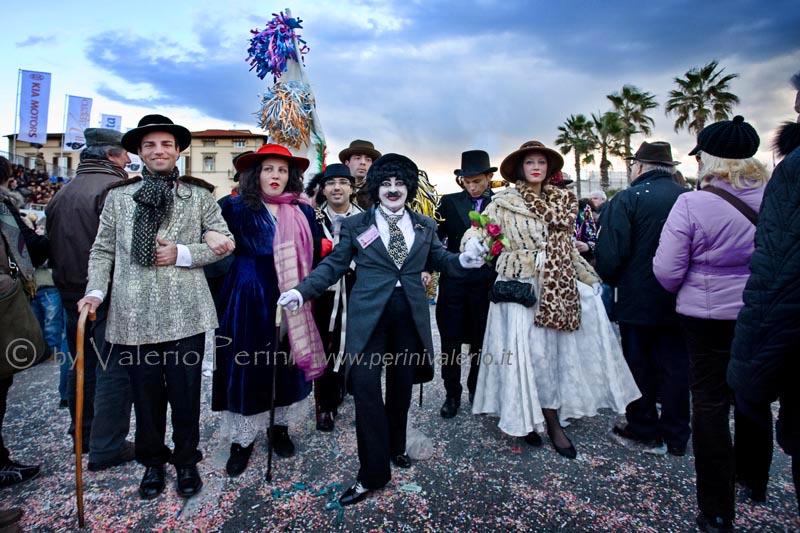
(474, 162)
(359, 147)
(337, 170)
(150, 123)
(659, 153)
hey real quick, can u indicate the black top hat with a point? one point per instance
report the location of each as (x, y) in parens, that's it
(728, 139)
(359, 147)
(474, 162)
(659, 153)
(235, 159)
(150, 123)
(337, 170)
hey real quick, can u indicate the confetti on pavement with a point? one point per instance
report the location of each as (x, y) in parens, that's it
(477, 479)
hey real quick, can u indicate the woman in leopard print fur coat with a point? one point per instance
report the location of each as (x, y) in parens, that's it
(559, 359)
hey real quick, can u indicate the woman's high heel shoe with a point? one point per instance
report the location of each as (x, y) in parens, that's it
(569, 452)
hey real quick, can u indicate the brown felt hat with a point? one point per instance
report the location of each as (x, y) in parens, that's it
(554, 160)
(359, 147)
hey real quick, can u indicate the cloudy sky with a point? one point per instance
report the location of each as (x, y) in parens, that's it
(428, 79)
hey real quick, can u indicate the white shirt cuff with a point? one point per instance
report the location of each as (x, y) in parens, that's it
(184, 256)
(97, 293)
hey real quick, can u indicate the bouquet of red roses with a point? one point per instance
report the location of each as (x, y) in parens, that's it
(495, 240)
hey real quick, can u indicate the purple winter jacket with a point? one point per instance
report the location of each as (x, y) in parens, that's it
(704, 252)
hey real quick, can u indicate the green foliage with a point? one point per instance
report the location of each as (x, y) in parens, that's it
(702, 96)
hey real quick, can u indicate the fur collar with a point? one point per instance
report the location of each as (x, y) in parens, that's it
(788, 138)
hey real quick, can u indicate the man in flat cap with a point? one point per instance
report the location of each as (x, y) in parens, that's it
(153, 239)
(652, 341)
(359, 157)
(73, 217)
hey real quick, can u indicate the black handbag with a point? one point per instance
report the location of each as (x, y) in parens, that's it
(513, 292)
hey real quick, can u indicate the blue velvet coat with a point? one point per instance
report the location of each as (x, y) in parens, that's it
(248, 300)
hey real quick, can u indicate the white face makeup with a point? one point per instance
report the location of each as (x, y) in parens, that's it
(392, 194)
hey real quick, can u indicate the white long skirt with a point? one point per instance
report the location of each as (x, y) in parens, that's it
(526, 368)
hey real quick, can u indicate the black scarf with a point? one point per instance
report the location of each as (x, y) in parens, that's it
(153, 202)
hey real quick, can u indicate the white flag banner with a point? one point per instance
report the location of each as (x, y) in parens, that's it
(112, 122)
(79, 113)
(34, 100)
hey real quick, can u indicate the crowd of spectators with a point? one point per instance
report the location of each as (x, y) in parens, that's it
(32, 187)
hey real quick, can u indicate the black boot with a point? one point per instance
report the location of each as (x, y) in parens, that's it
(239, 459)
(281, 443)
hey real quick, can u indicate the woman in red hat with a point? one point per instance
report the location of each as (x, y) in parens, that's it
(556, 358)
(278, 243)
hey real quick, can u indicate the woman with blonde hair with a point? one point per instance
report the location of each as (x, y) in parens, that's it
(703, 256)
(549, 353)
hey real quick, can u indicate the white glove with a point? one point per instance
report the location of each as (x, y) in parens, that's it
(291, 300)
(474, 246)
(470, 260)
(598, 288)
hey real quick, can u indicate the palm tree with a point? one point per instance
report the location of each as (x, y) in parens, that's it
(607, 132)
(702, 95)
(632, 104)
(575, 136)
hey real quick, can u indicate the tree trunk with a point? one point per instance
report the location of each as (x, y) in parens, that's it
(628, 153)
(578, 173)
(604, 164)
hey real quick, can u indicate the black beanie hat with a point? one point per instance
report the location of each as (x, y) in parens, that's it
(728, 139)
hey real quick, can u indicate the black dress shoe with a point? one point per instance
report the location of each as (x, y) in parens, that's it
(239, 459)
(677, 451)
(533, 439)
(189, 482)
(450, 408)
(354, 494)
(627, 434)
(281, 443)
(569, 451)
(713, 525)
(755, 495)
(402, 460)
(325, 421)
(152, 482)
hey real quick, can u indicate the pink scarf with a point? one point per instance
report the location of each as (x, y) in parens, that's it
(293, 250)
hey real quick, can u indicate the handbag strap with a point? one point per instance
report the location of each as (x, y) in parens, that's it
(736, 202)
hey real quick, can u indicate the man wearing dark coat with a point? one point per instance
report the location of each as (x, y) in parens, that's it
(337, 186)
(652, 342)
(764, 365)
(73, 217)
(463, 302)
(391, 246)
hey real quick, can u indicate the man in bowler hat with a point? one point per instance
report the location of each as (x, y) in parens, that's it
(148, 251)
(359, 157)
(652, 341)
(337, 186)
(463, 303)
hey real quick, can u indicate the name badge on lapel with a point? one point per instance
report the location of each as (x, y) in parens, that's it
(366, 238)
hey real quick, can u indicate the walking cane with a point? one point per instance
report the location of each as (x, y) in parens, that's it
(79, 410)
(278, 313)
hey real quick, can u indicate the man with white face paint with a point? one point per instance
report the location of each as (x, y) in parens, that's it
(390, 326)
